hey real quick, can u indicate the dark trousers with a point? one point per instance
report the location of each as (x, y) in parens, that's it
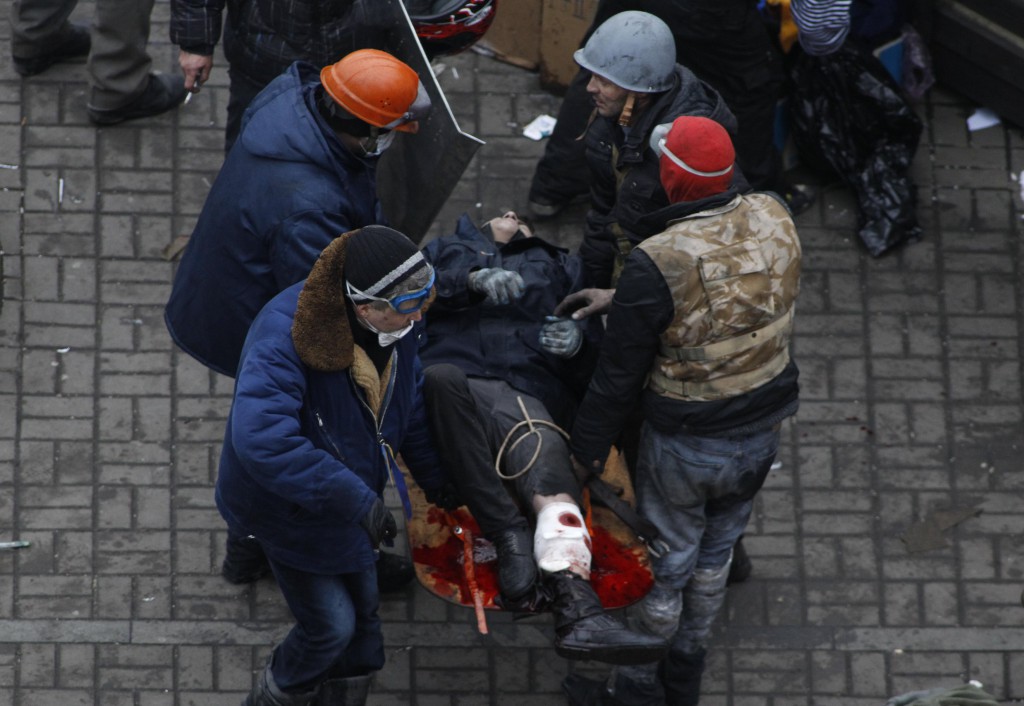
(241, 90)
(470, 419)
(118, 64)
(562, 172)
(337, 632)
(735, 53)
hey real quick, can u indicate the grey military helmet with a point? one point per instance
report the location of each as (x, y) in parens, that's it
(634, 50)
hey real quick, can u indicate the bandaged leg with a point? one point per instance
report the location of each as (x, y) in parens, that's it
(561, 541)
(582, 629)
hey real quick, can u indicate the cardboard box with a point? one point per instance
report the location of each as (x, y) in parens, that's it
(514, 36)
(563, 24)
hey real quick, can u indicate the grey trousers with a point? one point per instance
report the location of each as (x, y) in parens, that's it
(470, 418)
(119, 65)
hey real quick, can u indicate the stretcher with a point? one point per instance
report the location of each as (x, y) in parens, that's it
(455, 562)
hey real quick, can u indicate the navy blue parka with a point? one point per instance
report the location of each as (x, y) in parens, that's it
(286, 190)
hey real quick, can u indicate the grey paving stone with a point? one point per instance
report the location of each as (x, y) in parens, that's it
(912, 401)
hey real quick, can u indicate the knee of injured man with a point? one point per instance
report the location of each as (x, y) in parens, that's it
(561, 541)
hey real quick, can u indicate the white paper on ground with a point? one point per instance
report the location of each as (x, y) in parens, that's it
(540, 127)
(981, 119)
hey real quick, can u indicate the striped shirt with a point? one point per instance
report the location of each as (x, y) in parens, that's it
(822, 24)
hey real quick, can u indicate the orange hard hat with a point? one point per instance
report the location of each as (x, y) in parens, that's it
(378, 89)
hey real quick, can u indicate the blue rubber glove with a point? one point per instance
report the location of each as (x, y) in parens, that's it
(500, 286)
(561, 337)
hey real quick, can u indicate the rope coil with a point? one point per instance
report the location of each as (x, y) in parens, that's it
(506, 448)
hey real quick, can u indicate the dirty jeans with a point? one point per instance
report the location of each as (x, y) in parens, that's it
(699, 492)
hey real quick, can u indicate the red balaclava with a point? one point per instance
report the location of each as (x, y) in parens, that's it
(697, 159)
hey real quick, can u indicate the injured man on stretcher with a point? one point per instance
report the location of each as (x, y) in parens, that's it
(502, 379)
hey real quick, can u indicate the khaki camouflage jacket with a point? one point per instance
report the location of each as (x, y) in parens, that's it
(698, 330)
(734, 274)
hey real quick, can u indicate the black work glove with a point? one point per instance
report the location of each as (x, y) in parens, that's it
(446, 497)
(380, 526)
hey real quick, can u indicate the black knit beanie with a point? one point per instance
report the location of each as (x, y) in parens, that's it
(378, 259)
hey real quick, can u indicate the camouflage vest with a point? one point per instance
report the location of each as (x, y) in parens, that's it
(734, 274)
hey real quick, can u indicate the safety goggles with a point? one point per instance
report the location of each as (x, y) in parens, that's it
(408, 303)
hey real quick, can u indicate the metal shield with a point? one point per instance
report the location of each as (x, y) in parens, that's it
(418, 173)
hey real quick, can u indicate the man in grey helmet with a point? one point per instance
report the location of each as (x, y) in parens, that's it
(729, 44)
(635, 84)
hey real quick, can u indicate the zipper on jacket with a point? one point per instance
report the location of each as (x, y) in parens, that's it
(326, 434)
(394, 474)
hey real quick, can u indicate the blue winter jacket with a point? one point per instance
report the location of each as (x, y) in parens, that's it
(285, 191)
(312, 427)
(502, 341)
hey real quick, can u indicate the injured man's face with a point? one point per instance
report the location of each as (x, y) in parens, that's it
(504, 227)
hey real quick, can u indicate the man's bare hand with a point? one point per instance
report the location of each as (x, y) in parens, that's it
(195, 68)
(586, 302)
(581, 472)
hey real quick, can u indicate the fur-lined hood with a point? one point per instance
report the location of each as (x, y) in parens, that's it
(321, 331)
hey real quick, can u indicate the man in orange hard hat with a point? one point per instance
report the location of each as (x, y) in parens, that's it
(302, 172)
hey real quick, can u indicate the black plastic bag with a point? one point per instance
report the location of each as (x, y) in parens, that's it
(849, 114)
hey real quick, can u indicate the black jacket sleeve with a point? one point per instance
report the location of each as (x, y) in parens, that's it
(641, 310)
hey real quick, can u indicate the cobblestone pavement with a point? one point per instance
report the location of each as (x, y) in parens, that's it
(912, 404)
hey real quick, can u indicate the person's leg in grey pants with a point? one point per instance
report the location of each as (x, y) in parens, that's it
(42, 36)
(119, 65)
(36, 23)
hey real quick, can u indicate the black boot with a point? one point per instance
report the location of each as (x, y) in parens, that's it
(517, 570)
(394, 572)
(581, 691)
(266, 693)
(73, 41)
(617, 690)
(741, 565)
(244, 560)
(584, 631)
(350, 691)
(680, 676)
(162, 93)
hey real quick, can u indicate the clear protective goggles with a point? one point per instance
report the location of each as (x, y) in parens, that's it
(408, 303)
